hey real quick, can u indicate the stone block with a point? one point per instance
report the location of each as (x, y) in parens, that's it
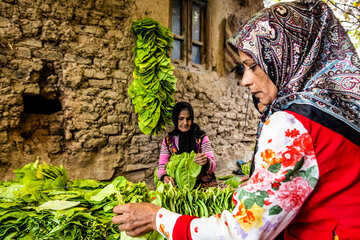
(119, 74)
(89, 116)
(138, 166)
(133, 150)
(48, 55)
(93, 143)
(110, 130)
(32, 89)
(84, 61)
(94, 30)
(69, 57)
(4, 22)
(108, 150)
(100, 83)
(3, 137)
(124, 118)
(80, 125)
(22, 52)
(112, 95)
(31, 42)
(93, 73)
(113, 119)
(118, 140)
(115, 34)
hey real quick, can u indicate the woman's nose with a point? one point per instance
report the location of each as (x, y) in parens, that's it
(246, 81)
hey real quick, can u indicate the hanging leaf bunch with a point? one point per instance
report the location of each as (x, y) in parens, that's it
(154, 83)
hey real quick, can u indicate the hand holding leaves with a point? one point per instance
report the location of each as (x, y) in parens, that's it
(201, 159)
(136, 218)
(168, 179)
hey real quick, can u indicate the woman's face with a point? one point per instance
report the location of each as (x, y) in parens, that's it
(258, 82)
(184, 120)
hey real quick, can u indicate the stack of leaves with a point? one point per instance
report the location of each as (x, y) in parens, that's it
(201, 202)
(41, 203)
(183, 169)
(153, 85)
(232, 180)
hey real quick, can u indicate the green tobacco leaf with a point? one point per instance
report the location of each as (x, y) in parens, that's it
(106, 192)
(183, 169)
(57, 205)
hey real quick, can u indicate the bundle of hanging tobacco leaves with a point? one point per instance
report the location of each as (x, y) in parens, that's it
(154, 83)
(42, 203)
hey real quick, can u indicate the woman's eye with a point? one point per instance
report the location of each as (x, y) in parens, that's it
(252, 67)
(240, 70)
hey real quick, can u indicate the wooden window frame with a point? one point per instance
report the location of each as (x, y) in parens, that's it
(186, 37)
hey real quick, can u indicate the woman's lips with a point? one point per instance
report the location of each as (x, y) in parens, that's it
(255, 93)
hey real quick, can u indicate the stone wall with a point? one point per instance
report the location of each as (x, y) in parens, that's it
(65, 67)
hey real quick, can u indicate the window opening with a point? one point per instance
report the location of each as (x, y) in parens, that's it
(176, 20)
(38, 104)
(188, 28)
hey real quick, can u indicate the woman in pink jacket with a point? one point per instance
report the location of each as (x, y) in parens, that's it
(187, 137)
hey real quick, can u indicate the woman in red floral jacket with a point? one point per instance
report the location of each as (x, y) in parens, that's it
(297, 60)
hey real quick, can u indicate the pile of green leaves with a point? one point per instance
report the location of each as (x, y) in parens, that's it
(183, 169)
(42, 203)
(153, 85)
(201, 202)
(232, 180)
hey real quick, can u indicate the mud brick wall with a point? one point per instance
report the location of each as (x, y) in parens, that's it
(65, 67)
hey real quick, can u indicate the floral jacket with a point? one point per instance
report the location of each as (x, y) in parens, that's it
(286, 175)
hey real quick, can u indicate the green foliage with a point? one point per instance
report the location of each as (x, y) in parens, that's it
(183, 169)
(153, 85)
(201, 202)
(36, 206)
(33, 206)
(245, 168)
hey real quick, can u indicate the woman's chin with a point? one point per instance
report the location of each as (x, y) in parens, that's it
(184, 130)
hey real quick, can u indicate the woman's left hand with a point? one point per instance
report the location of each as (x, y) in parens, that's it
(201, 159)
(136, 218)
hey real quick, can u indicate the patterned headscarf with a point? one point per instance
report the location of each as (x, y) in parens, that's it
(307, 54)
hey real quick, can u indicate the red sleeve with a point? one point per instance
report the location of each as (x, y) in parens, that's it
(182, 228)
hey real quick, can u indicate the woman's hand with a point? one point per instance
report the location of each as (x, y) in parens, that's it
(168, 179)
(136, 218)
(201, 159)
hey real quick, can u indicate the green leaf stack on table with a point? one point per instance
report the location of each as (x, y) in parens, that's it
(42, 203)
(154, 83)
(183, 169)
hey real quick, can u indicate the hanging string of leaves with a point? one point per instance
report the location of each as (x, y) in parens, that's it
(154, 83)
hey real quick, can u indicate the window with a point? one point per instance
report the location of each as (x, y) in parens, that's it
(188, 28)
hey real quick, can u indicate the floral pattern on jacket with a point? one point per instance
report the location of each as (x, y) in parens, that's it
(286, 172)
